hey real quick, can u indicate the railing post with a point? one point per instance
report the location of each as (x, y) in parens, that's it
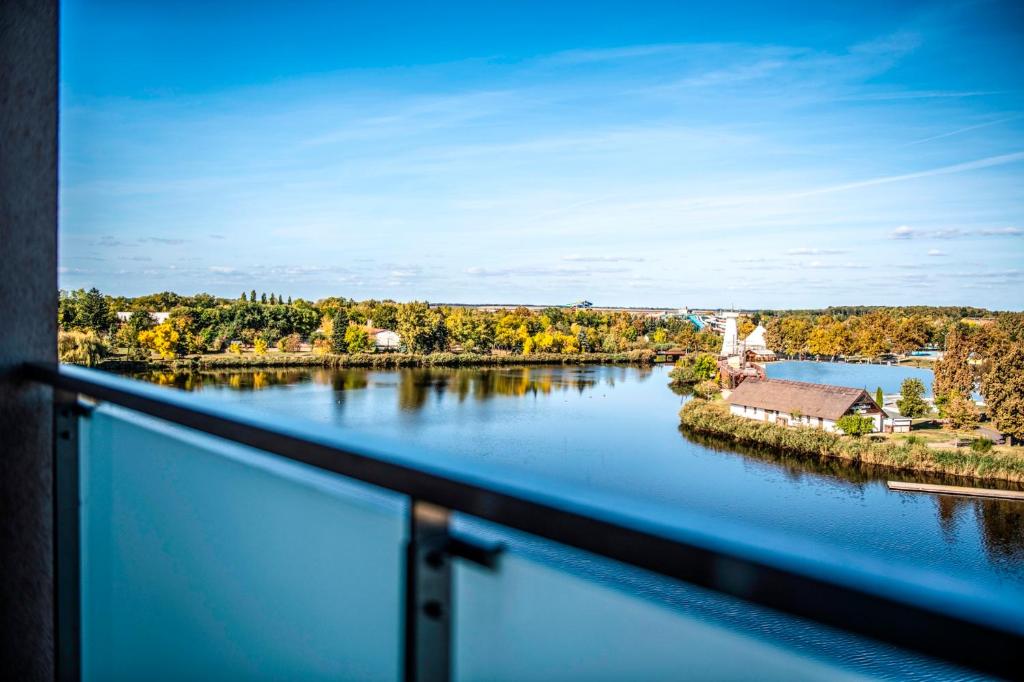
(67, 556)
(428, 590)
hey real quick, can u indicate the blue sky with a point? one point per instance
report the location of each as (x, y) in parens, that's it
(627, 153)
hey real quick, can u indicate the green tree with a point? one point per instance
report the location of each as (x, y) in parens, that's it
(879, 396)
(421, 328)
(92, 311)
(855, 425)
(1003, 388)
(358, 339)
(339, 326)
(911, 403)
(252, 296)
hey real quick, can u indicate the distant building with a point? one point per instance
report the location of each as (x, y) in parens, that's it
(159, 318)
(383, 339)
(790, 403)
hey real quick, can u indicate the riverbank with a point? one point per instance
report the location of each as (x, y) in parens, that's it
(712, 417)
(374, 360)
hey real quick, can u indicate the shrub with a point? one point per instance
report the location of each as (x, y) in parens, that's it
(81, 348)
(290, 343)
(235, 348)
(321, 346)
(981, 445)
(855, 425)
(707, 390)
(260, 347)
(694, 369)
(642, 355)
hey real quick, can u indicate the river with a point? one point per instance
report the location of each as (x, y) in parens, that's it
(611, 433)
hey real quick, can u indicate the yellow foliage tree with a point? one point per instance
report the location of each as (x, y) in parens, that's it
(259, 347)
(164, 339)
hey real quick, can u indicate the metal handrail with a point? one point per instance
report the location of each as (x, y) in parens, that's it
(974, 631)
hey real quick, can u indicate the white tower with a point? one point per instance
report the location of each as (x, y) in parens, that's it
(730, 344)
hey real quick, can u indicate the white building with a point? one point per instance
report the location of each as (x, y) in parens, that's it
(383, 339)
(730, 340)
(797, 403)
(159, 318)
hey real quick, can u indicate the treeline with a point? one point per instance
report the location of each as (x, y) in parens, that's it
(878, 332)
(204, 323)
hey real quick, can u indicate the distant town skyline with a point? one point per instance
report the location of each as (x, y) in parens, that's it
(797, 156)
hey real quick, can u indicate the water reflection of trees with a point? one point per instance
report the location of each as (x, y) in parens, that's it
(1002, 528)
(248, 380)
(415, 385)
(1000, 522)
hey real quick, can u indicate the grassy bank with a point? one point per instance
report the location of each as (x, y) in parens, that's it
(713, 418)
(378, 360)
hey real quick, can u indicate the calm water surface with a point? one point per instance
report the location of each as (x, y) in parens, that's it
(613, 432)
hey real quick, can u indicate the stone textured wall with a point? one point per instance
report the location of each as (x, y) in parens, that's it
(28, 288)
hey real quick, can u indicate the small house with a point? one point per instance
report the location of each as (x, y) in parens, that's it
(798, 403)
(383, 339)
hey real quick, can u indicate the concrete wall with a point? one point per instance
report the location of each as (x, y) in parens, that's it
(28, 313)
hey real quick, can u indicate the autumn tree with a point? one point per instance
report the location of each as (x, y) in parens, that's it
(1003, 388)
(81, 348)
(961, 412)
(795, 332)
(164, 339)
(870, 334)
(953, 372)
(909, 334)
(744, 327)
(827, 338)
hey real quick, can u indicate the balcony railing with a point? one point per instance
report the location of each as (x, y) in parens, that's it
(196, 541)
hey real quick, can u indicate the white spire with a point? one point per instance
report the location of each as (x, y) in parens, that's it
(730, 343)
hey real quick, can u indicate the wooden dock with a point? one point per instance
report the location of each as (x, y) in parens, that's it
(955, 490)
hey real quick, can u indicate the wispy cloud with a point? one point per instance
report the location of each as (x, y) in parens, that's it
(907, 232)
(602, 259)
(987, 162)
(166, 241)
(806, 251)
(965, 129)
